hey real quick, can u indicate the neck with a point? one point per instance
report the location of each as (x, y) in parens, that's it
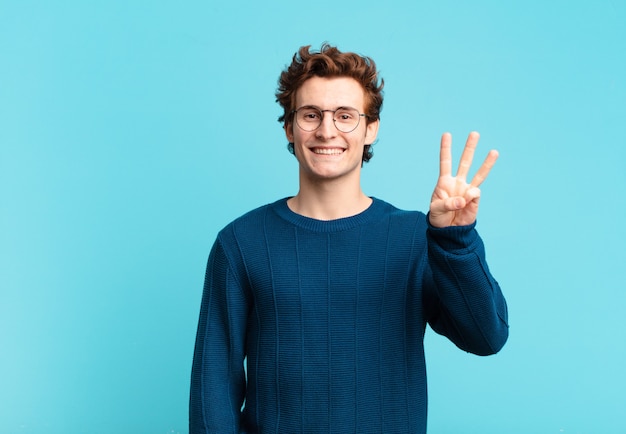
(329, 201)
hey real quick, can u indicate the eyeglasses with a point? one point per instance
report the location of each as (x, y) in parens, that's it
(346, 119)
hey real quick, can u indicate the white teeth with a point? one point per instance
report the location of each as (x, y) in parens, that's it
(327, 151)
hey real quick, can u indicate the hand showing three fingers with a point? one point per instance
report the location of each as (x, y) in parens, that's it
(455, 201)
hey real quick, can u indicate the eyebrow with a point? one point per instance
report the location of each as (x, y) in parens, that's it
(321, 109)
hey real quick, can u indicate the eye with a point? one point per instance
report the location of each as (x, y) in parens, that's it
(310, 115)
(345, 114)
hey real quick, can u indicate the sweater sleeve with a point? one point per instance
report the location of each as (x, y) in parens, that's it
(465, 302)
(217, 375)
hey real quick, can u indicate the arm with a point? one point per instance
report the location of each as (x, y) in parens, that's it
(468, 305)
(217, 375)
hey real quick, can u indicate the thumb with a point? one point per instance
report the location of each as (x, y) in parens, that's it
(442, 206)
(472, 194)
(454, 203)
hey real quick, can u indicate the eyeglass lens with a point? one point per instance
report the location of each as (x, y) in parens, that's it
(346, 119)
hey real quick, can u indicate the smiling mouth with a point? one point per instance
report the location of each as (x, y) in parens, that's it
(328, 151)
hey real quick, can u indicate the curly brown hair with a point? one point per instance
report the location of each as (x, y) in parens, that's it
(330, 62)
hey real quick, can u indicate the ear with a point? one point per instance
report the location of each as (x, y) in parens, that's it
(288, 127)
(371, 132)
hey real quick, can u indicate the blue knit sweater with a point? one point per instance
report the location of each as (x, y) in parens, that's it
(331, 317)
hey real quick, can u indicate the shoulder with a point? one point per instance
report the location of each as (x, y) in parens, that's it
(398, 226)
(251, 224)
(244, 237)
(255, 215)
(401, 215)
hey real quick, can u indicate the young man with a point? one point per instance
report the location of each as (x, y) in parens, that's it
(326, 295)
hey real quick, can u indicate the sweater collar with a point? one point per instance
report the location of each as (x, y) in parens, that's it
(374, 212)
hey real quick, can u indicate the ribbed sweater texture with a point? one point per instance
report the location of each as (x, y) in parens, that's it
(310, 326)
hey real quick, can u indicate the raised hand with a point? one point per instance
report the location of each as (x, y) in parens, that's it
(455, 201)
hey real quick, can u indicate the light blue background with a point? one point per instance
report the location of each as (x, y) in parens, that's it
(131, 132)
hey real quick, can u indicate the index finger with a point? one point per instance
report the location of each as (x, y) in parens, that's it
(468, 155)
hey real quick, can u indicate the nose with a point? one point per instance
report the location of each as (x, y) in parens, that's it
(327, 128)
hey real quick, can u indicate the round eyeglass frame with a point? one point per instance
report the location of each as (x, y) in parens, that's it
(295, 113)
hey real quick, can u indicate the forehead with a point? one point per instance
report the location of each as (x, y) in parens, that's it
(332, 92)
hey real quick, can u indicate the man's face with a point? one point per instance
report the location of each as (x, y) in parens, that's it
(327, 153)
